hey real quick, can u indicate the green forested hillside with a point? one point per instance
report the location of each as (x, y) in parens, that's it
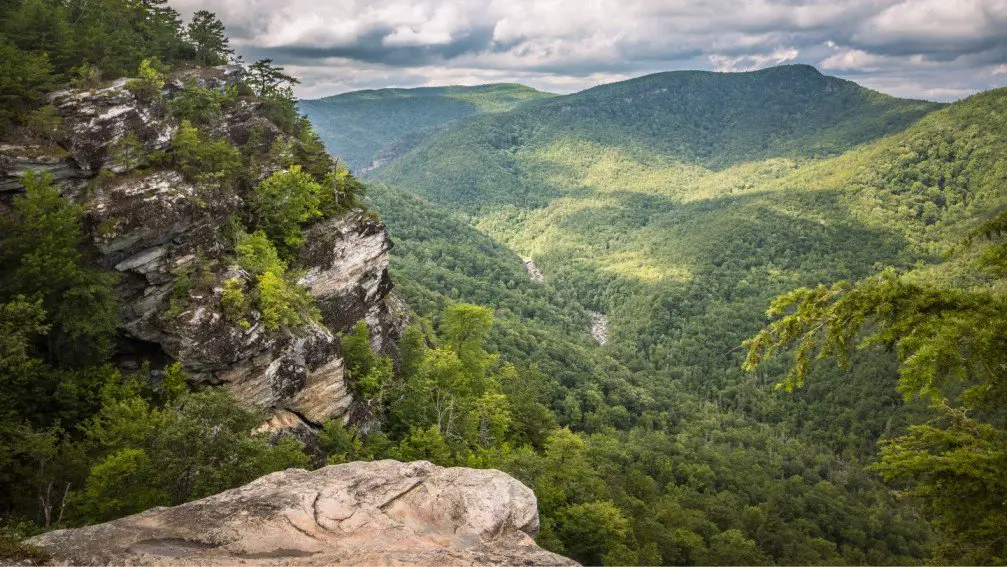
(657, 474)
(367, 127)
(682, 229)
(677, 205)
(647, 133)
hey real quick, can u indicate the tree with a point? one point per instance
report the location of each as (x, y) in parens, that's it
(425, 444)
(367, 371)
(24, 78)
(592, 530)
(268, 79)
(43, 464)
(211, 162)
(22, 372)
(952, 344)
(465, 328)
(41, 261)
(194, 446)
(281, 300)
(206, 33)
(731, 547)
(284, 202)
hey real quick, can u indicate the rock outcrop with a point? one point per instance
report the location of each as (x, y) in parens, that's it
(384, 512)
(155, 227)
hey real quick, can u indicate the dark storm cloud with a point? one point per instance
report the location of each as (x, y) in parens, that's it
(369, 47)
(939, 49)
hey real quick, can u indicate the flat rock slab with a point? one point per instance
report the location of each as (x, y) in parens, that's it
(378, 513)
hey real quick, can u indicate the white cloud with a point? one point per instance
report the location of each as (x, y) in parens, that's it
(941, 45)
(754, 61)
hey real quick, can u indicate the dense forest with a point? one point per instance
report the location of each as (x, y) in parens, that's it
(684, 242)
(372, 127)
(83, 439)
(679, 205)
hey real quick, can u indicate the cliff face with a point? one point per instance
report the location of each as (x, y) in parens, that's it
(152, 226)
(379, 513)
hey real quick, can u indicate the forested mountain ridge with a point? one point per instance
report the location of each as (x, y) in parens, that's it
(185, 228)
(646, 131)
(192, 293)
(367, 128)
(685, 258)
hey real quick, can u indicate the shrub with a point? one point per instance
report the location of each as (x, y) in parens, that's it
(198, 104)
(44, 123)
(257, 255)
(285, 201)
(232, 299)
(211, 162)
(13, 551)
(85, 76)
(282, 302)
(366, 370)
(150, 81)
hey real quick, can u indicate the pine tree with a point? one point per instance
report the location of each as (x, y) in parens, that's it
(952, 343)
(269, 79)
(206, 32)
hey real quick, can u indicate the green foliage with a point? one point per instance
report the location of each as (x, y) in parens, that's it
(649, 127)
(194, 446)
(79, 441)
(211, 162)
(954, 468)
(368, 127)
(595, 532)
(86, 76)
(232, 298)
(22, 372)
(425, 445)
(368, 372)
(128, 153)
(40, 260)
(682, 257)
(733, 548)
(703, 474)
(43, 42)
(951, 343)
(257, 255)
(344, 444)
(284, 305)
(13, 551)
(282, 302)
(44, 123)
(149, 82)
(283, 203)
(173, 384)
(197, 104)
(24, 78)
(268, 79)
(206, 32)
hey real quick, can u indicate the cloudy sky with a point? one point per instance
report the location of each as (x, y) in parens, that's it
(934, 49)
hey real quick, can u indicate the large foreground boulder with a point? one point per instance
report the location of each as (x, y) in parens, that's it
(379, 513)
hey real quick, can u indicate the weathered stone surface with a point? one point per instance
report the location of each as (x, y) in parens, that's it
(346, 262)
(95, 120)
(385, 512)
(16, 160)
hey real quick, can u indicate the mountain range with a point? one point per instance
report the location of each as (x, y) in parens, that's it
(677, 206)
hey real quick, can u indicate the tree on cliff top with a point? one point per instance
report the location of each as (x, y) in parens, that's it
(206, 32)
